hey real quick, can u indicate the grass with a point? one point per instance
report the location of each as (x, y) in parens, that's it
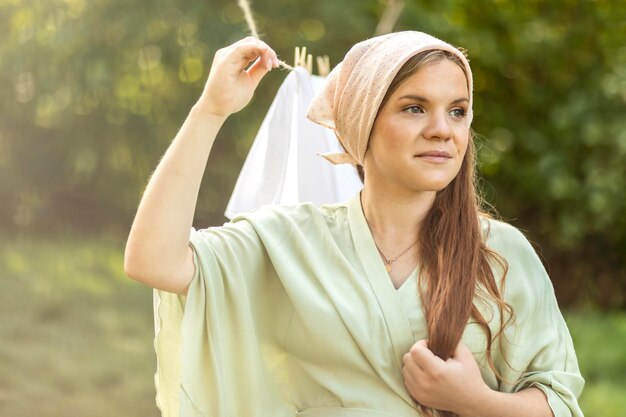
(600, 340)
(76, 335)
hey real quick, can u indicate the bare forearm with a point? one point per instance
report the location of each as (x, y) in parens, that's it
(157, 251)
(530, 402)
(157, 245)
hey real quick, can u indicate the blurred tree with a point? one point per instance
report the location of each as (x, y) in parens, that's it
(92, 92)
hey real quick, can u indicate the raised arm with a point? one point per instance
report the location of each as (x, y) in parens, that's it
(157, 251)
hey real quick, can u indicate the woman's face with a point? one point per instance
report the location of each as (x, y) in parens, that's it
(420, 136)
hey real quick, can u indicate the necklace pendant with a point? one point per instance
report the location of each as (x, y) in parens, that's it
(388, 267)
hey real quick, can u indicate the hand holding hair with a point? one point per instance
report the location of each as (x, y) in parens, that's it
(452, 385)
(231, 82)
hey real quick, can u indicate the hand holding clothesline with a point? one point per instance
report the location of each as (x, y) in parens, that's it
(232, 80)
(157, 252)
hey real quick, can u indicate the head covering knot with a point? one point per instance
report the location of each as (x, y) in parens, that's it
(355, 88)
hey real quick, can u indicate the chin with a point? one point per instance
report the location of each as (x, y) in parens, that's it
(431, 185)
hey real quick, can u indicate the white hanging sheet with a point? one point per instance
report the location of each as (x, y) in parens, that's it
(282, 166)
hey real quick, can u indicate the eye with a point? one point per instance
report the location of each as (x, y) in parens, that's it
(458, 112)
(414, 109)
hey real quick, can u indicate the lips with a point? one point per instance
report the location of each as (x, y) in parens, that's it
(434, 154)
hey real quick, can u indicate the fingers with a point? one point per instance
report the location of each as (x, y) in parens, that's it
(268, 54)
(230, 86)
(424, 358)
(463, 354)
(243, 52)
(411, 379)
(422, 343)
(416, 379)
(262, 66)
(445, 385)
(240, 54)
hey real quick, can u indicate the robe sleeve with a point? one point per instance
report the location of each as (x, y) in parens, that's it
(553, 367)
(208, 353)
(539, 346)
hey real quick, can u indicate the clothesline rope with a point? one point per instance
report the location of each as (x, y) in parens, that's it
(247, 13)
(385, 25)
(390, 17)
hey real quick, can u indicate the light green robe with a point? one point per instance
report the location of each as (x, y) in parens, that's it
(291, 312)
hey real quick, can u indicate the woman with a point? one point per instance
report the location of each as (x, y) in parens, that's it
(403, 300)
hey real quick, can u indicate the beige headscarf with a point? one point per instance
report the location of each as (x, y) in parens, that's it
(355, 88)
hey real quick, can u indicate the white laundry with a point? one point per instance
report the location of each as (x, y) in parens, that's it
(282, 166)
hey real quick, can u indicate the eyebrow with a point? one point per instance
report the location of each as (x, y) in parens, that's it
(425, 100)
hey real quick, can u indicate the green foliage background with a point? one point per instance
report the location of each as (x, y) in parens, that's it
(93, 91)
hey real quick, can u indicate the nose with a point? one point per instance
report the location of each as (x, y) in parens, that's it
(438, 127)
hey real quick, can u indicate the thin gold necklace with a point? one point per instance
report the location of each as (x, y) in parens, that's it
(388, 261)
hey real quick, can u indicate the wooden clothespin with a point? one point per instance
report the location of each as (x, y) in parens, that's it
(323, 65)
(303, 60)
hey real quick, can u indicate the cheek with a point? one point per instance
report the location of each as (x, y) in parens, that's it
(463, 141)
(386, 140)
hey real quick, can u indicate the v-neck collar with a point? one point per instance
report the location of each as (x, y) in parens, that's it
(357, 218)
(412, 277)
(397, 322)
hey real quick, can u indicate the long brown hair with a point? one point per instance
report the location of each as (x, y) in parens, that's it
(456, 265)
